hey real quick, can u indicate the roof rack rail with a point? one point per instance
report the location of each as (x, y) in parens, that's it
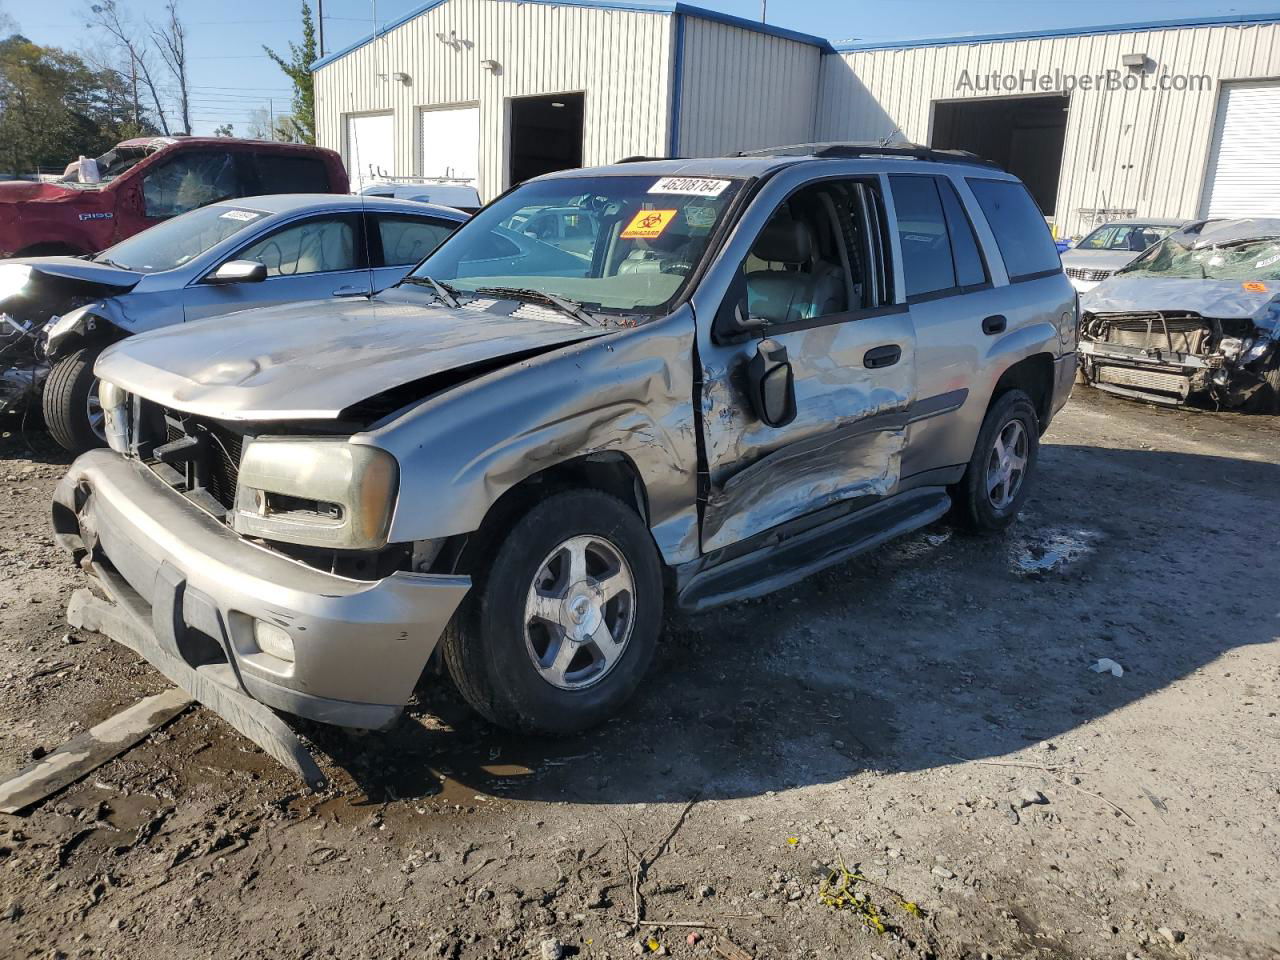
(641, 158)
(853, 150)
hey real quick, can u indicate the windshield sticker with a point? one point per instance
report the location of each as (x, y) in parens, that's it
(1267, 261)
(1254, 287)
(244, 215)
(700, 217)
(690, 186)
(648, 224)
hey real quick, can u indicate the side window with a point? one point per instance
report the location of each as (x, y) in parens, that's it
(407, 240)
(321, 245)
(927, 262)
(1021, 233)
(279, 173)
(812, 257)
(189, 180)
(971, 270)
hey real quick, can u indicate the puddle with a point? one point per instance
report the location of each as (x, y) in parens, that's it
(1039, 554)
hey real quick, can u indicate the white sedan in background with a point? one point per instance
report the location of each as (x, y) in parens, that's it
(1110, 247)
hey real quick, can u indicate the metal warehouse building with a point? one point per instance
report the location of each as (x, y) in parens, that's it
(1170, 118)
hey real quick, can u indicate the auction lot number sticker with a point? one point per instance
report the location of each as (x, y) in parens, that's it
(690, 186)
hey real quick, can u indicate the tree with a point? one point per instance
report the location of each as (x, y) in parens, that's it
(226, 130)
(113, 20)
(302, 124)
(55, 107)
(170, 40)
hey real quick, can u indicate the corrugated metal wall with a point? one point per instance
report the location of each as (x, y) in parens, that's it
(742, 89)
(1144, 150)
(620, 59)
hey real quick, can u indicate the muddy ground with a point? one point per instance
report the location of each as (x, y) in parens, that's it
(904, 715)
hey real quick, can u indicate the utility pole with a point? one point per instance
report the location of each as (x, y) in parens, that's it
(320, 23)
(764, 11)
(271, 113)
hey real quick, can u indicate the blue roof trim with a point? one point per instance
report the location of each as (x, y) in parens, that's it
(1226, 20)
(633, 6)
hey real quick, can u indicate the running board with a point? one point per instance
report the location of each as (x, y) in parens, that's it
(210, 684)
(781, 564)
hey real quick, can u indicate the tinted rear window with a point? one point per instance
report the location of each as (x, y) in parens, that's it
(284, 174)
(922, 232)
(1021, 233)
(970, 269)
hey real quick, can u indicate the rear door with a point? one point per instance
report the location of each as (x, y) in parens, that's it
(316, 258)
(814, 262)
(957, 313)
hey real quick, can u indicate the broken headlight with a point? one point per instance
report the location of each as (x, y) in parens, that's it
(317, 493)
(1231, 347)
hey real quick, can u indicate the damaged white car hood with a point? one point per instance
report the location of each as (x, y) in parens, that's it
(1218, 299)
(312, 360)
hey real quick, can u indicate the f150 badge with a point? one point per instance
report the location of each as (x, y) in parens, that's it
(96, 216)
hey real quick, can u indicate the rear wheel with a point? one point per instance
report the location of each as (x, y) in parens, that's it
(72, 411)
(562, 625)
(995, 484)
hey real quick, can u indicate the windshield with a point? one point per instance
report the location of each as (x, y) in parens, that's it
(171, 244)
(1256, 259)
(625, 244)
(1133, 237)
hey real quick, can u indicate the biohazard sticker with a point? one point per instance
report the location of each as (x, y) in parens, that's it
(690, 186)
(648, 224)
(1253, 286)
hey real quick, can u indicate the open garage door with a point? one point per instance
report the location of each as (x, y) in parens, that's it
(1023, 134)
(1243, 178)
(546, 135)
(371, 148)
(450, 138)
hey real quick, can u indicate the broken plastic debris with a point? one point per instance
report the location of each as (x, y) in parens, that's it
(1107, 665)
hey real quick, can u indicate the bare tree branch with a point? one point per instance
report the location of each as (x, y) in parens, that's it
(170, 40)
(107, 15)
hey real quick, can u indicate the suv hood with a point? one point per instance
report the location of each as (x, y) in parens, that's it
(1219, 299)
(313, 360)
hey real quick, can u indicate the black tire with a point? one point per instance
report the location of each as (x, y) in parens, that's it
(485, 648)
(1266, 399)
(66, 401)
(972, 502)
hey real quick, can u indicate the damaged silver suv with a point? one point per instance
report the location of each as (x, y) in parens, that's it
(712, 379)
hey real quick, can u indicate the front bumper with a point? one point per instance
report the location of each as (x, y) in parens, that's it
(359, 646)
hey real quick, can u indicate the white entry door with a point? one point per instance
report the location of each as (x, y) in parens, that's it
(450, 138)
(371, 148)
(1244, 167)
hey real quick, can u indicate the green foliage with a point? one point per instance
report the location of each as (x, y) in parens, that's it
(301, 126)
(55, 107)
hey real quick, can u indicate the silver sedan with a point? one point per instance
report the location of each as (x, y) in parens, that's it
(58, 313)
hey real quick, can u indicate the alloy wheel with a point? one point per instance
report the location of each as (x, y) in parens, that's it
(1007, 464)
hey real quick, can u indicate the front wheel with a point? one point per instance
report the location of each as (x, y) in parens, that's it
(563, 624)
(1267, 397)
(995, 484)
(72, 411)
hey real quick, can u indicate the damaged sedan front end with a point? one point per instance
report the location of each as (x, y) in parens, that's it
(1197, 317)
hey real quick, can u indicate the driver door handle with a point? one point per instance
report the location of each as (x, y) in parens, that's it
(885, 356)
(350, 291)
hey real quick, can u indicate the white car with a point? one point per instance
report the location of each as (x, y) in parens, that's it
(1110, 247)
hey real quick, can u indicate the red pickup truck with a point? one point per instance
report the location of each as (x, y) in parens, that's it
(140, 182)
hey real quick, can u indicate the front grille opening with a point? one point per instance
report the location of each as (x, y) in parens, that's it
(215, 466)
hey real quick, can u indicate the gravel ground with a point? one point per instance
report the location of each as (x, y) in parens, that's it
(924, 716)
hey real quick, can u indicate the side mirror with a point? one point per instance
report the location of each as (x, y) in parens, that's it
(771, 384)
(239, 271)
